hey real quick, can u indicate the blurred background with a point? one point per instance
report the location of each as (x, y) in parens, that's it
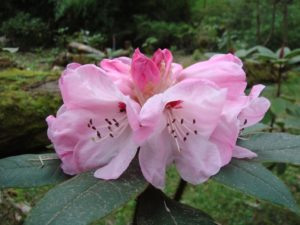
(39, 38)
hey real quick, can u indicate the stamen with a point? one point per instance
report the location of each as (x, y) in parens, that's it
(181, 121)
(108, 121)
(195, 131)
(194, 121)
(172, 130)
(245, 122)
(102, 131)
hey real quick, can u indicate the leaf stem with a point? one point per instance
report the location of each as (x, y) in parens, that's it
(180, 190)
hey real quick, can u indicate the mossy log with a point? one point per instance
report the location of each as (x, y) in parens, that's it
(26, 98)
(259, 72)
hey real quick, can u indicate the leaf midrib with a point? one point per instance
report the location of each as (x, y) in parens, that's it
(273, 188)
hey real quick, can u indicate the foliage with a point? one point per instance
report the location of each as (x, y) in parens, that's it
(216, 24)
(22, 29)
(165, 33)
(96, 40)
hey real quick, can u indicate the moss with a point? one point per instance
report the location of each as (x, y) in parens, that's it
(23, 110)
(259, 73)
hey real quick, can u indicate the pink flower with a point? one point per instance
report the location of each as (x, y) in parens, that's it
(93, 129)
(178, 124)
(190, 117)
(195, 119)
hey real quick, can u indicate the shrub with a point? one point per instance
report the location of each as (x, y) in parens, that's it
(166, 33)
(25, 31)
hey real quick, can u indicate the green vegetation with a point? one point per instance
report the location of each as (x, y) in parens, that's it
(24, 105)
(187, 24)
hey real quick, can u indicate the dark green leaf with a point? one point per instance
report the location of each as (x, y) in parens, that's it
(274, 147)
(254, 179)
(30, 170)
(155, 208)
(85, 198)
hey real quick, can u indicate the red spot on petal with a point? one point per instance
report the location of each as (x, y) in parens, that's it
(174, 104)
(122, 107)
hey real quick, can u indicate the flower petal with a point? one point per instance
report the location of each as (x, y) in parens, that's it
(256, 108)
(65, 131)
(87, 85)
(256, 90)
(154, 157)
(118, 70)
(144, 71)
(73, 66)
(240, 153)
(165, 57)
(121, 161)
(224, 70)
(198, 160)
(116, 66)
(225, 136)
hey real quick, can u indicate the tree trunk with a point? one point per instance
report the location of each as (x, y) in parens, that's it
(258, 21)
(285, 23)
(272, 22)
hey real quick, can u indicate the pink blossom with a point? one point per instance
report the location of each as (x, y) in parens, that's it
(93, 128)
(191, 117)
(195, 120)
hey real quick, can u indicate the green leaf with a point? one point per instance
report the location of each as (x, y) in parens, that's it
(30, 170)
(257, 128)
(279, 105)
(254, 179)
(85, 198)
(294, 60)
(293, 53)
(266, 57)
(274, 147)
(292, 123)
(155, 208)
(265, 51)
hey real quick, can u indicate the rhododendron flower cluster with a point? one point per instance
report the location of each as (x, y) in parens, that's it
(153, 107)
